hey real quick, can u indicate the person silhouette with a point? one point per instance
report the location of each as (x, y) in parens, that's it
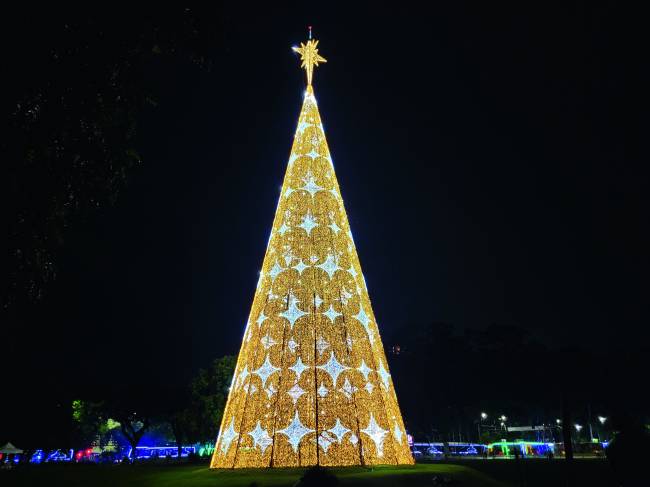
(625, 452)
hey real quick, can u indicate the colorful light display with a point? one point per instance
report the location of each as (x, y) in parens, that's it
(312, 384)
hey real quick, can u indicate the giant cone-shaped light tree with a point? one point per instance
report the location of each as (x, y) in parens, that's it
(312, 384)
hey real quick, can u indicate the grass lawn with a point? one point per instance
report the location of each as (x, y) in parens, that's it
(468, 473)
(534, 472)
(199, 476)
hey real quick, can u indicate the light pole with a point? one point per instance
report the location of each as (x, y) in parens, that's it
(602, 420)
(480, 423)
(578, 427)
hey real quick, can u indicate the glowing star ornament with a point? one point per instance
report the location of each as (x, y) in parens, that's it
(311, 385)
(376, 434)
(227, 437)
(339, 431)
(265, 370)
(295, 432)
(332, 314)
(293, 313)
(330, 265)
(308, 223)
(333, 368)
(295, 392)
(261, 438)
(364, 369)
(397, 432)
(309, 57)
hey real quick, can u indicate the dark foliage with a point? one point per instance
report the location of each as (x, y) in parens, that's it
(446, 378)
(72, 106)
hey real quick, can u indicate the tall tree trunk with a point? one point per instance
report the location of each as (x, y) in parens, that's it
(178, 435)
(566, 436)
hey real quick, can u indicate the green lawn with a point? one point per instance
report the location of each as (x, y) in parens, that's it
(200, 476)
(469, 473)
(534, 472)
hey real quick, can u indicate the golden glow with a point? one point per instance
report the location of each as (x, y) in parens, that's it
(309, 57)
(311, 385)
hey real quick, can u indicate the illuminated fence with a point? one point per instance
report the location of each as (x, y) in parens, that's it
(455, 448)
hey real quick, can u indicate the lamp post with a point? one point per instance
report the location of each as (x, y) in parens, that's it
(479, 424)
(601, 420)
(578, 427)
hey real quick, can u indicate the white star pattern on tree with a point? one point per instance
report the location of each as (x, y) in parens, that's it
(270, 390)
(364, 369)
(295, 432)
(376, 434)
(310, 185)
(348, 389)
(303, 125)
(332, 314)
(369, 387)
(339, 430)
(333, 368)
(385, 376)
(298, 367)
(283, 229)
(265, 370)
(300, 266)
(228, 436)
(260, 437)
(322, 391)
(330, 265)
(288, 255)
(335, 228)
(292, 345)
(242, 377)
(261, 318)
(397, 433)
(345, 296)
(308, 223)
(292, 158)
(363, 318)
(324, 441)
(293, 313)
(321, 345)
(267, 341)
(275, 271)
(295, 392)
(317, 301)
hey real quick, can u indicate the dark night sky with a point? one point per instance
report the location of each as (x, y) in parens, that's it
(492, 161)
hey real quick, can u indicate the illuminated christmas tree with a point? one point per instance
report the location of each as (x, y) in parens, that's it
(311, 385)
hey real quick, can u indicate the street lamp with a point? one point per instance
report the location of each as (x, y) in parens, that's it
(483, 417)
(558, 421)
(503, 417)
(602, 419)
(578, 427)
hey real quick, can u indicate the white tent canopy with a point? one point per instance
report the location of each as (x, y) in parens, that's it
(9, 449)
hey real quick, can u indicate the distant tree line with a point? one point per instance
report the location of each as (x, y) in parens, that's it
(188, 417)
(446, 377)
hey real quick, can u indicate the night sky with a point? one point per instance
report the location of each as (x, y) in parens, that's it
(493, 163)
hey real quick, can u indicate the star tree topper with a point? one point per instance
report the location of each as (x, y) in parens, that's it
(309, 56)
